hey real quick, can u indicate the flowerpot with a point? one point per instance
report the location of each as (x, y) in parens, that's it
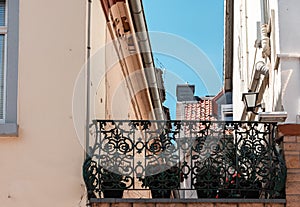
(205, 193)
(160, 193)
(113, 193)
(155, 187)
(254, 192)
(207, 182)
(163, 183)
(250, 193)
(113, 190)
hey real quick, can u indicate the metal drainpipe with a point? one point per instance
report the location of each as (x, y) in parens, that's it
(87, 121)
(260, 68)
(247, 47)
(143, 40)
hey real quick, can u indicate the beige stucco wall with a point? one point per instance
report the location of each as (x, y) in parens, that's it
(110, 92)
(123, 89)
(42, 166)
(97, 59)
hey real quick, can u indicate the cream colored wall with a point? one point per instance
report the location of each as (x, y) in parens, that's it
(110, 96)
(42, 166)
(125, 94)
(126, 90)
(98, 61)
(119, 100)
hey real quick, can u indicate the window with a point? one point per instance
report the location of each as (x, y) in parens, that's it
(3, 32)
(9, 44)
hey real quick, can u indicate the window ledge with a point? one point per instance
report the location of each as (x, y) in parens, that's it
(8, 130)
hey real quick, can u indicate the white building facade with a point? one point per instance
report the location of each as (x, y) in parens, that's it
(262, 54)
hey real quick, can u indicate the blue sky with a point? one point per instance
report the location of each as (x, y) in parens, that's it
(200, 24)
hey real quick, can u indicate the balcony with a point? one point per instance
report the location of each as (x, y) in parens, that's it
(184, 161)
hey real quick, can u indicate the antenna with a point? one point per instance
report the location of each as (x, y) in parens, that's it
(161, 66)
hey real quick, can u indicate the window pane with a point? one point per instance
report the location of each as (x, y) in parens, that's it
(1, 76)
(2, 12)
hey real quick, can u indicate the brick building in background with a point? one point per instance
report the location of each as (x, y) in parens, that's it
(190, 107)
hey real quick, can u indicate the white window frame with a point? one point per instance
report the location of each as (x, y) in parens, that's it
(226, 109)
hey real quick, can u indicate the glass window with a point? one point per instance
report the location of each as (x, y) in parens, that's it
(2, 88)
(2, 12)
(9, 55)
(3, 32)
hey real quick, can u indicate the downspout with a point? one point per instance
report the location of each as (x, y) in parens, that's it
(247, 46)
(145, 48)
(228, 49)
(265, 41)
(260, 69)
(88, 67)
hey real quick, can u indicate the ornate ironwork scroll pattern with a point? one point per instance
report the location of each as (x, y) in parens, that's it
(216, 159)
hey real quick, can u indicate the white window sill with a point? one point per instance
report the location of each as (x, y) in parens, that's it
(8, 130)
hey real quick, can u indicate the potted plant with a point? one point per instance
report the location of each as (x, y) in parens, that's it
(161, 183)
(251, 187)
(206, 181)
(90, 177)
(111, 184)
(238, 186)
(244, 183)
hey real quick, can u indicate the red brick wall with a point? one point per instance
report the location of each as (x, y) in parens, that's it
(291, 147)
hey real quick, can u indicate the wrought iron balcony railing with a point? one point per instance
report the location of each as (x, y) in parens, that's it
(187, 159)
